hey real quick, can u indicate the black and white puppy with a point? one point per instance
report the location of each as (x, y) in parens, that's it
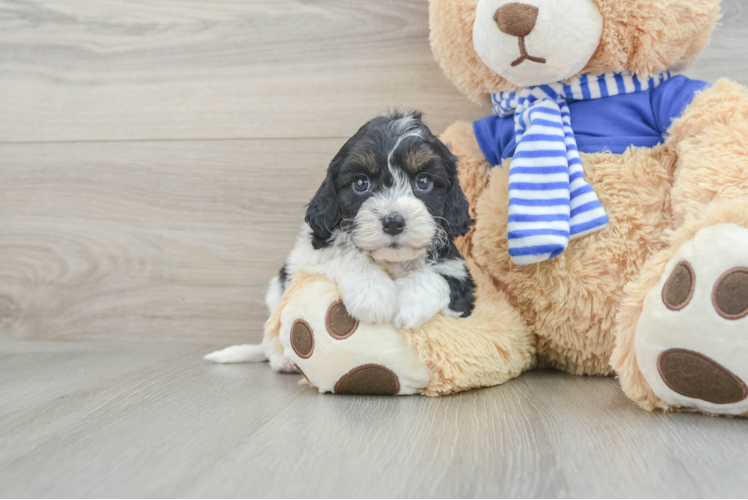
(382, 226)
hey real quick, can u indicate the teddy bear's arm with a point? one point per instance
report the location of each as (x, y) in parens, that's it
(707, 150)
(711, 143)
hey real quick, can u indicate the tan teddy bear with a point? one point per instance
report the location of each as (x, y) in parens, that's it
(611, 203)
(658, 292)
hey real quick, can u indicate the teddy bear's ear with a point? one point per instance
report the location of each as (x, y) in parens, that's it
(456, 212)
(646, 37)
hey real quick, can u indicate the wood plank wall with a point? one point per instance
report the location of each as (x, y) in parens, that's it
(156, 156)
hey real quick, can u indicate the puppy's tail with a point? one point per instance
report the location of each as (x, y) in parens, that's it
(246, 353)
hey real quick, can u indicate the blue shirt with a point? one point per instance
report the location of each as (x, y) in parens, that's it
(609, 124)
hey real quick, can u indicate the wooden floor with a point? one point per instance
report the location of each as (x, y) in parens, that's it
(155, 159)
(92, 419)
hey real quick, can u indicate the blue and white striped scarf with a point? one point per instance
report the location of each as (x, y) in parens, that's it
(549, 200)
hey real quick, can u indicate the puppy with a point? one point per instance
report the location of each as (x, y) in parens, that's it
(382, 226)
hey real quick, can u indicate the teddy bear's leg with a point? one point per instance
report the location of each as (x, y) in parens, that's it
(682, 331)
(473, 168)
(492, 346)
(336, 353)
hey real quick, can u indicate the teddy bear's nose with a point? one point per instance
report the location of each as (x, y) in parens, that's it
(516, 19)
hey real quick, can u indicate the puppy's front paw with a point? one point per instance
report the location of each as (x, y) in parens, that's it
(371, 304)
(281, 364)
(413, 315)
(421, 298)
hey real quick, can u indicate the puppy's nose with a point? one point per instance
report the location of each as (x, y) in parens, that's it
(516, 19)
(393, 224)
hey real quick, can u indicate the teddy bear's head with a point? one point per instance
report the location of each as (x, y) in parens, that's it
(487, 46)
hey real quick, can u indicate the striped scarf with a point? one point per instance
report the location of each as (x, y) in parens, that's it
(549, 200)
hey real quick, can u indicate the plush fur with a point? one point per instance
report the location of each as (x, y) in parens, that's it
(490, 347)
(474, 170)
(624, 360)
(710, 187)
(571, 300)
(582, 309)
(512, 50)
(642, 36)
(487, 348)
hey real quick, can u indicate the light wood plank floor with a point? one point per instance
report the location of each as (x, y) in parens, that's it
(155, 160)
(92, 419)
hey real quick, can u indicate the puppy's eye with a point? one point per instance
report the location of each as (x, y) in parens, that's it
(361, 184)
(424, 184)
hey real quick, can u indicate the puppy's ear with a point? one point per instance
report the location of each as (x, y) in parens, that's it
(456, 213)
(457, 219)
(323, 215)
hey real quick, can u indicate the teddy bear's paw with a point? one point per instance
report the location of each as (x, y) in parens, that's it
(338, 353)
(692, 337)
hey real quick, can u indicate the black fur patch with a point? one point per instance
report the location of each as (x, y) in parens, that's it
(445, 252)
(283, 277)
(461, 295)
(461, 292)
(323, 214)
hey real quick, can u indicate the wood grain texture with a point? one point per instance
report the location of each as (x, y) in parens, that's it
(151, 240)
(137, 420)
(155, 160)
(724, 57)
(108, 231)
(82, 70)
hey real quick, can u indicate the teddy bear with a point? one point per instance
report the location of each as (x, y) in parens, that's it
(610, 199)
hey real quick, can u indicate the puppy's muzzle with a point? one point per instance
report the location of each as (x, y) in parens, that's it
(393, 224)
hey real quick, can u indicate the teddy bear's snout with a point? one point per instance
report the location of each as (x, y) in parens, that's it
(516, 19)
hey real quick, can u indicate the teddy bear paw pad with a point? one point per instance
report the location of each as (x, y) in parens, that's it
(692, 337)
(339, 323)
(368, 379)
(302, 338)
(696, 376)
(730, 295)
